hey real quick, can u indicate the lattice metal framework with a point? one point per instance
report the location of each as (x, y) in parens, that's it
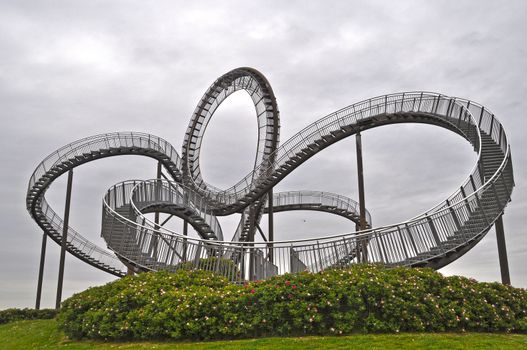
(433, 238)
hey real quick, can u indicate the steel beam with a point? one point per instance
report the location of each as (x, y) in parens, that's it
(185, 233)
(502, 251)
(41, 269)
(158, 176)
(130, 271)
(362, 204)
(156, 214)
(270, 224)
(252, 230)
(167, 219)
(64, 240)
(261, 232)
(185, 229)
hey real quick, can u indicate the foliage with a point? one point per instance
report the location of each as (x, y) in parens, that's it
(364, 298)
(10, 315)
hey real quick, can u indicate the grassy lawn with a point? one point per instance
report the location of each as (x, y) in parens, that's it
(43, 334)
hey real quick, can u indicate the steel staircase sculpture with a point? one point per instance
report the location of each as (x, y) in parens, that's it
(434, 238)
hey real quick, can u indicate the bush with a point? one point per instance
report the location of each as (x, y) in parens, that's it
(364, 298)
(10, 315)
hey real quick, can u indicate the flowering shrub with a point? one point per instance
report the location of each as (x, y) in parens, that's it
(10, 315)
(364, 298)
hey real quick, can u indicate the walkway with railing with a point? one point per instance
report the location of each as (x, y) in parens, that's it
(433, 238)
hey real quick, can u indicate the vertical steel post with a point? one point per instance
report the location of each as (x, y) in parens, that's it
(156, 214)
(502, 251)
(41, 270)
(362, 204)
(158, 176)
(185, 227)
(250, 239)
(64, 240)
(129, 270)
(185, 233)
(270, 237)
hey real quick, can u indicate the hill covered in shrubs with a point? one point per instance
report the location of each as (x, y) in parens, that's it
(363, 298)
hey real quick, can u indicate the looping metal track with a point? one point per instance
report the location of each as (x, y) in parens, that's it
(434, 238)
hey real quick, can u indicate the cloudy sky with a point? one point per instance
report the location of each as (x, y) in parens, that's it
(70, 69)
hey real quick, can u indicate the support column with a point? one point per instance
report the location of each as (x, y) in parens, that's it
(362, 205)
(502, 251)
(250, 239)
(130, 271)
(185, 228)
(41, 270)
(185, 233)
(156, 214)
(270, 214)
(64, 240)
(158, 176)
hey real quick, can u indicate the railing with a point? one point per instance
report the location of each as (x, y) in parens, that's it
(349, 116)
(221, 89)
(313, 200)
(459, 221)
(402, 244)
(319, 199)
(104, 142)
(140, 195)
(70, 156)
(77, 241)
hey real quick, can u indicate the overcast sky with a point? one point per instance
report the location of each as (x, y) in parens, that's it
(70, 69)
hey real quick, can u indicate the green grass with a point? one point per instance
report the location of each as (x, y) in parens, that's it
(43, 334)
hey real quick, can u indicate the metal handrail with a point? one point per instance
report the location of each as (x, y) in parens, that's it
(37, 204)
(417, 217)
(421, 239)
(405, 222)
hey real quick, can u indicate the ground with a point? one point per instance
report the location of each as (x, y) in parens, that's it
(43, 334)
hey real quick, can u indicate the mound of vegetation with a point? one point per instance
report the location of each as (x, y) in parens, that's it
(10, 315)
(363, 298)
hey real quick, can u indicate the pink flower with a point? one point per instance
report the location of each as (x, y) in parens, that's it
(293, 286)
(252, 291)
(287, 283)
